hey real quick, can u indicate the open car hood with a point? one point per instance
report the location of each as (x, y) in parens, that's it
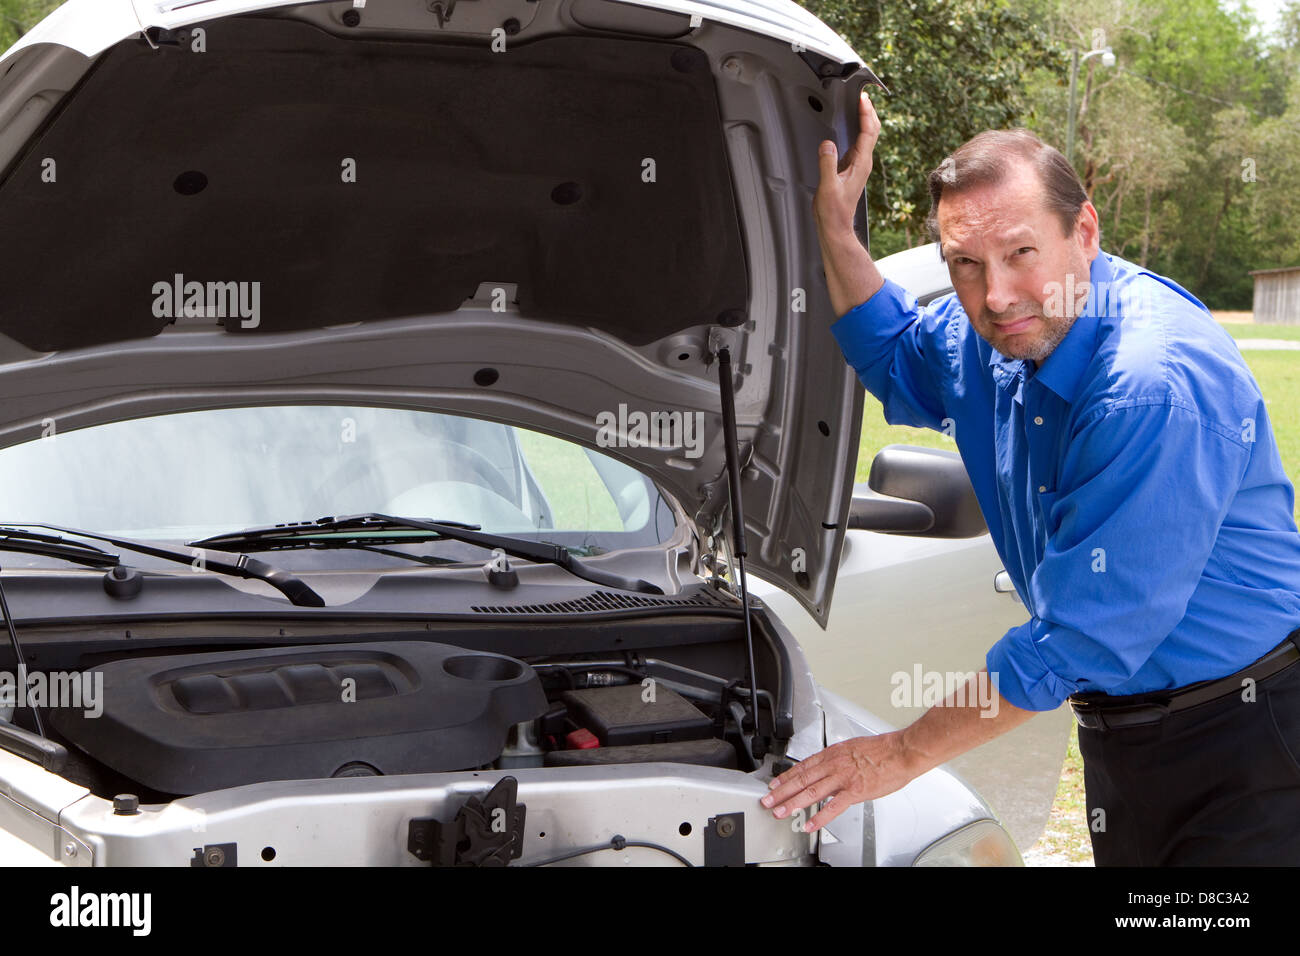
(546, 214)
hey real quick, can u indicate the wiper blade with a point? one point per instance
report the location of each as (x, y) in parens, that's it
(530, 551)
(52, 546)
(455, 530)
(325, 532)
(237, 565)
(317, 540)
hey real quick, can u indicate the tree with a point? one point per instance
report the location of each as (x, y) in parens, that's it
(1189, 146)
(1129, 172)
(19, 16)
(954, 69)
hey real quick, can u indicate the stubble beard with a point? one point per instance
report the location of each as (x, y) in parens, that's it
(1052, 331)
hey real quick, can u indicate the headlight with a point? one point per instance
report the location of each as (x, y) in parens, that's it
(983, 843)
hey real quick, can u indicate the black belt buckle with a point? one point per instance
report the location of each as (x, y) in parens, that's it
(1091, 716)
(1087, 717)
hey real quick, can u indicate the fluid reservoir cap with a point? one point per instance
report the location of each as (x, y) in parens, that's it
(126, 804)
(581, 739)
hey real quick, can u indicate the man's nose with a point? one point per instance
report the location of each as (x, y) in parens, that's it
(999, 294)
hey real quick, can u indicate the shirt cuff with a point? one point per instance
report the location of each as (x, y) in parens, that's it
(863, 330)
(1019, 673)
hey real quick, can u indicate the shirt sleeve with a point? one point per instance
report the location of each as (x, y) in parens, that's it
(1130, 527)
(900, 353)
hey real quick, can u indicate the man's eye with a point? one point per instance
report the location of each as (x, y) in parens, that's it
(1024, 249)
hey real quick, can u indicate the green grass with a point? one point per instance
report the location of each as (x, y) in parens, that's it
(1248, 330)
(1278, 375)
(877, 433)
(577, 496)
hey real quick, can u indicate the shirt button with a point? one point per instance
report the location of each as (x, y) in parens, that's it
(1038, 420)
(1042, 488)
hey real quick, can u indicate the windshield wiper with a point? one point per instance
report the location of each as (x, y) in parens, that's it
(271, 537)
(52, 546)
(327, 534)
(340, 532)
(237, 565)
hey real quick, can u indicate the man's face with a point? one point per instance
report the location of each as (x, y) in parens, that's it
(1005, 250)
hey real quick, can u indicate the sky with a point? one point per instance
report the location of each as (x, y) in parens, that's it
(1267, 12)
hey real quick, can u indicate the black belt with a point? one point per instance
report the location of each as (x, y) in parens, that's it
(1103, 712)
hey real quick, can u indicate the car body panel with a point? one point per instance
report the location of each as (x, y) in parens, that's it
(783, 82)
(91, 26)
(797, 405)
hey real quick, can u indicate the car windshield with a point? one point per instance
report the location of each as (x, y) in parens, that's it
(188, 475)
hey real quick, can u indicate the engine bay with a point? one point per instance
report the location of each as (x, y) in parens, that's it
(176, 723)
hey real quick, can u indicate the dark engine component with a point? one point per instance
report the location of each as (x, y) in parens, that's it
(620, 716)
(190, 723)
(702, 753)
(484, 832)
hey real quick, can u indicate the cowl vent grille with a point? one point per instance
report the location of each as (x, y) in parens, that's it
(607, 601)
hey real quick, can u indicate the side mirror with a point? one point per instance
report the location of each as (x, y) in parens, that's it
(917, 491)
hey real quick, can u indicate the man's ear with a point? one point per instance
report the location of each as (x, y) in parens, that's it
(1088, 230)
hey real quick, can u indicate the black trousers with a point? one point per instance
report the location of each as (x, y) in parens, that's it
(1214, 785)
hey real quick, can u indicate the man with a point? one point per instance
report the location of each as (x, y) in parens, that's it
(1124, 462)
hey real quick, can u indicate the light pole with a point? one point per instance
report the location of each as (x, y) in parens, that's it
(1107, 59)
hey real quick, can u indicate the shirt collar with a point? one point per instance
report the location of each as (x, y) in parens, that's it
(1064, 368)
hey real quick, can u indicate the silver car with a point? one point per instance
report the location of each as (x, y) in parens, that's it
(396, 399)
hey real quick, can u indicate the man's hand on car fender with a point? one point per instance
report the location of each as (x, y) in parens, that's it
(861, 768)
(864, 768)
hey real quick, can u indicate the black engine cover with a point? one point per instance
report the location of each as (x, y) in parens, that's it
(189, 723)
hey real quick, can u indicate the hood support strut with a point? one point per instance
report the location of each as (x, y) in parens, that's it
(34, 747)
(727, 388)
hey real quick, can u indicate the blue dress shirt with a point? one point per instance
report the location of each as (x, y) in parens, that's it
(1131, 483)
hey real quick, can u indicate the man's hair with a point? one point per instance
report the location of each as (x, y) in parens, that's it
(985, 160)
